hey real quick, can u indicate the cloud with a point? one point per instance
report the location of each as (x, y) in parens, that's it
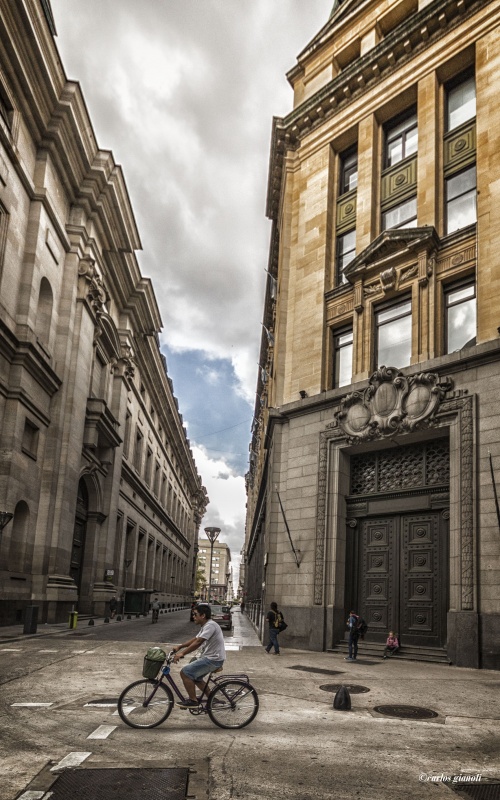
(183, 92)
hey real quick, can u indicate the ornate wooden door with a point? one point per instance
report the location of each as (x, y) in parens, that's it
(402, 579)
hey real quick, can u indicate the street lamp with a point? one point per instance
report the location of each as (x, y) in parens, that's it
(212, 534)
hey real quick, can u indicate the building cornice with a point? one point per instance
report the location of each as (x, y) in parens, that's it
(410, 38)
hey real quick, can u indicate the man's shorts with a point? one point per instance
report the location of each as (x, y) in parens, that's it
(201, 667)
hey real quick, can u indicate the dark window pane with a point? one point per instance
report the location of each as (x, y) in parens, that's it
(402, 216)
(343, 349)
(461, 103)
(348, 172)
(394, 335)
(461, 200)
(346, 251)
(460, 317)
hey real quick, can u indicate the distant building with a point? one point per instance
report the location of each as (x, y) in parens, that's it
(221, 585)
(95, 463)
(379, 373)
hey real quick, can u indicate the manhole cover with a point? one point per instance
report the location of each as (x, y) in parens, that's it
(476, 791)
(406, 712)
(318, 670)
(134, 784)
(353, 688)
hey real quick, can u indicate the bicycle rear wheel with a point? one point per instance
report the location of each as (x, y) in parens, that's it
(140, 705)
(233, 704)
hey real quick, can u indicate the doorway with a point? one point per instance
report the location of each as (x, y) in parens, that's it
(397, 564)
(79, 535)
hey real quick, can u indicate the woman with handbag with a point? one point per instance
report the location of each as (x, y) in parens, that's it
(276, 625)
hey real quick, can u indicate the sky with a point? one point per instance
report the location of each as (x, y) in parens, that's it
(183, 93)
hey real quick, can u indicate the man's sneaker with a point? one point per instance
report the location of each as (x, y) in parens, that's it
(276, 654)
(188, 703)
(349, 659)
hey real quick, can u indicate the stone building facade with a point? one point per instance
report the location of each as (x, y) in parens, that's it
(376, 443)
(221, 587)
(96, 466)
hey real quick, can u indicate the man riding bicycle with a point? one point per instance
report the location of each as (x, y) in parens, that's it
(212, 658)
(155, 607)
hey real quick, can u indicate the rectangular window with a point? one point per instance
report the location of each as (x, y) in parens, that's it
(393, 335)
(138, 451)
(346, 251)
(401, 139)
(461, 102)
(461, 200)
(460, 309)
(342, 358)
(402, 216)
(348, 171)
(30, 439)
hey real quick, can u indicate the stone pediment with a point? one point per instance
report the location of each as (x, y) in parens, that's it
(393, 243)
(392, 404)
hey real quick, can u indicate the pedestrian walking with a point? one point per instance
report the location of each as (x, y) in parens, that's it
(353, 622)
(276, 625)
(391, 645)
(112, 607)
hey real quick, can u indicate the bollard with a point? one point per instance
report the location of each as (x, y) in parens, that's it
(91, 622)
(106, 619)
(128, 616)
(342, 700)
(137, 616)
(119, 619)
(30, 619)
(73, 619)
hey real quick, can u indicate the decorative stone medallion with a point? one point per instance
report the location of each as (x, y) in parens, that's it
(392, 403)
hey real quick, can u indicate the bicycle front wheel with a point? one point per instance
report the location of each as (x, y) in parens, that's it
(233, 704)
(145, 704)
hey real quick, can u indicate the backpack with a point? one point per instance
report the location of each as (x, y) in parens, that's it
(279, 622)
(361, 627)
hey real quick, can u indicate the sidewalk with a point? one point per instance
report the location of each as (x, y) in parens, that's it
(14, 633)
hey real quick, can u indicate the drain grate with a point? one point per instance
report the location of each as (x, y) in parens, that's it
(477, 791)
(318, 670)
(134, 784)
(353, 688)
(406, 712)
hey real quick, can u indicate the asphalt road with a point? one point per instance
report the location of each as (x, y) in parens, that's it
(297, 748)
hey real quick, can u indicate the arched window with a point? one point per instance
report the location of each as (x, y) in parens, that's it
(20, 549)
(44, 312)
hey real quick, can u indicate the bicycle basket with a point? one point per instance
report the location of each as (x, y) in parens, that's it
(153, 661)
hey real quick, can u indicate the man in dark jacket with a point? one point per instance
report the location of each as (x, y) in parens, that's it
(272, 617)
(353, 622)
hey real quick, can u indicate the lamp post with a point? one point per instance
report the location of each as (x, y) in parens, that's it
(212, 534)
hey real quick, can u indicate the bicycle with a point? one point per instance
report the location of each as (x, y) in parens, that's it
(230, 701)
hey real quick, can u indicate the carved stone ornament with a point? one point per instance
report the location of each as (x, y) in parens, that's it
(391, 404)
(388, 279)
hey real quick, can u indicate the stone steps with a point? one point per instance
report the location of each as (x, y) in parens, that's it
(434, 655)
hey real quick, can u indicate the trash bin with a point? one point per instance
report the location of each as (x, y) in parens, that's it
(30, 619)
(73, 619)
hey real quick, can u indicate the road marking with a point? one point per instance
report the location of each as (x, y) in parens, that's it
(31, 705)
(121, 653)
(33, 796)
(11, 650)
(48, 651)
(102, 732)
(127, 710)
(77, 652)
(100, 705)
(71, 760)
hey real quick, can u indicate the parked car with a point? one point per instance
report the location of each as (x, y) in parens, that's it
(222, 615)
